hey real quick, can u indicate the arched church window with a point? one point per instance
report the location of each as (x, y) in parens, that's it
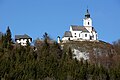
(88, 23)
(69, 39)
(85, 35)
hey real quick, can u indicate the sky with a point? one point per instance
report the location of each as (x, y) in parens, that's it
(35, 17)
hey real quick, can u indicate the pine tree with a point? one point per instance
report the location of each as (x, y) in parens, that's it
(4, 41)
(46, 38)
(70, 54)
(8, 35)
(8, 38)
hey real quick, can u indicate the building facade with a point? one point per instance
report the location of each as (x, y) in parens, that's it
(81, 33)
(22, 39)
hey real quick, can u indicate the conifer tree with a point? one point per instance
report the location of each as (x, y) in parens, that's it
(4, 42)
(70, 54)
(46, 38)
(8, 38)
(8, 35)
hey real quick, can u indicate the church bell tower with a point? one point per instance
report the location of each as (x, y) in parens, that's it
(87, 21)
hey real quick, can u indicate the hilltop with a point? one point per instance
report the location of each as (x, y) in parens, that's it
(96, 52)
(91, 46)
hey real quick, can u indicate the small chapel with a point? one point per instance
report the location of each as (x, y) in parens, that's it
(86, 32)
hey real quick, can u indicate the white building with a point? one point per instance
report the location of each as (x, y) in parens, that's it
(81, 33)
(22, 39)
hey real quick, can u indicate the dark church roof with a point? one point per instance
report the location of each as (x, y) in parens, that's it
(67, 34)
(87, 15)
(25, 36)
(79, 28)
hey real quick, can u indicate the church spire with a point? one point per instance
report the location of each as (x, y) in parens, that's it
(87, 15)
(87, 21)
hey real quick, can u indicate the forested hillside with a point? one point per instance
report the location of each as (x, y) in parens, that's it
(47, 60)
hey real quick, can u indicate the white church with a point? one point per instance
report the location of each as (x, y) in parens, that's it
(81, 33)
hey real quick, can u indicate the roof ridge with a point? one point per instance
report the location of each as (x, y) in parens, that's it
(79, 28)
(22, 36)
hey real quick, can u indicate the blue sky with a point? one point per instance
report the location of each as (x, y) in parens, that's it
(34, 17)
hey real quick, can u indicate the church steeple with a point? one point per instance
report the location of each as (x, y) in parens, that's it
(87, 15)
(87, 21)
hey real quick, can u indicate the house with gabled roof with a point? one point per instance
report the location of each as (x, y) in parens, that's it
(22, 39)
(81, 33)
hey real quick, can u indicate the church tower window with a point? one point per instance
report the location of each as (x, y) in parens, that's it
(85, 35)
(88, 23)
